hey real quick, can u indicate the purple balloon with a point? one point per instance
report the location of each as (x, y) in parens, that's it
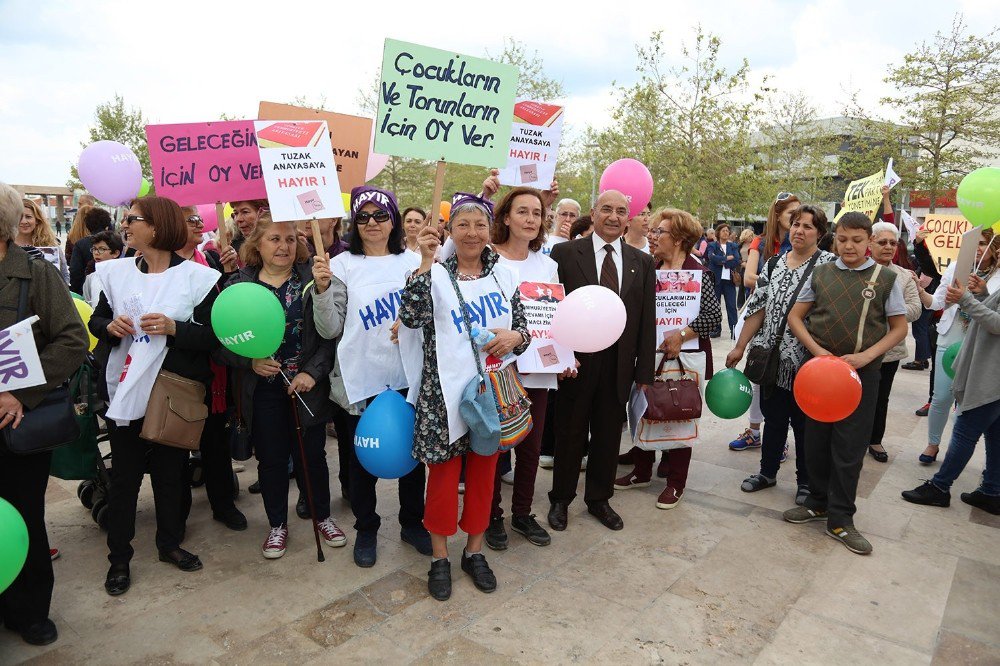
(110, 171)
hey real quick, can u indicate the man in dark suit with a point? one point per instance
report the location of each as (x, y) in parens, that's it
(594, 401)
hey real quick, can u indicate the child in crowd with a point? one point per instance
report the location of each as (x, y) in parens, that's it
(106, 245)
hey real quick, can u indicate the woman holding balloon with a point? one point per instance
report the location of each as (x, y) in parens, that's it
(153, 313)
(26, 591)
(951, 329)
(674, 235)
(351, 290)
(280, 376)
(431, 302)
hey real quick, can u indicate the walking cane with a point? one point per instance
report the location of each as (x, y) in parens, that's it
(305, 474)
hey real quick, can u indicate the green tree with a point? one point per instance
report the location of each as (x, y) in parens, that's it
(113, 121)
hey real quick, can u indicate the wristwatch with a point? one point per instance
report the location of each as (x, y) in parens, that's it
(683, 333)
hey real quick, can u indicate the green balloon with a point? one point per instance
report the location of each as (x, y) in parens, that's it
(13, 544)
(248, 320)
(948, 358)
(728, 394)
(144, 188)
(979, 197)
(77, 296)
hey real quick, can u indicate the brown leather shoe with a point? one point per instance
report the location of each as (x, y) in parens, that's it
(604, 513)
(557, 516)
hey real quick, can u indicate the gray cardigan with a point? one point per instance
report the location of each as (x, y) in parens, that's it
(980, 350)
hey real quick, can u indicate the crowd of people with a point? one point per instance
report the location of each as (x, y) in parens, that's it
(800, 289)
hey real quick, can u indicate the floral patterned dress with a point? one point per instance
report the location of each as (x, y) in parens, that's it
(431, 443)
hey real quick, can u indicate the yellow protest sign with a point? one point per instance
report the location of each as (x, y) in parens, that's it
(944, 237)
(864, 196)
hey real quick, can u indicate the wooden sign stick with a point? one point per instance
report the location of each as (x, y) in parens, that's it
(435, 210)
(317, 238)
(223, 227)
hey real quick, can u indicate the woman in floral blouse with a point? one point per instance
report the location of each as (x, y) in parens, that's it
(441, 439)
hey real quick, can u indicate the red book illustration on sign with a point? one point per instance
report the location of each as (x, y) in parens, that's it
(536, 113)
(290, 135)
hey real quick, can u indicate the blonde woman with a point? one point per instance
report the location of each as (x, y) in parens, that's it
(36, 237)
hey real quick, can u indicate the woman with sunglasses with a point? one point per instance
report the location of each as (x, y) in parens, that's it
(357, 297)
(883, 245)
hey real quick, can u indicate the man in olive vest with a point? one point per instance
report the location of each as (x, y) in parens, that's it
(855, 311)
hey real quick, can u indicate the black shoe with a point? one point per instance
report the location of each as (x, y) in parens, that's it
(254, 488)
(928, 494)
(232, 518)
(439, 580)
(532, 531)
(557, 516)
(988, 503)
(365, 547)
(181, 559)
(880, 456)
(40, 633)
(477, 567)
(916, 365)
(118, 580)
(418, 537)
(496, 535)
(302, 508)
(604, 513)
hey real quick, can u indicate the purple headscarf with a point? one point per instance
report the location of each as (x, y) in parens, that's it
(384, 199)
(464, 198)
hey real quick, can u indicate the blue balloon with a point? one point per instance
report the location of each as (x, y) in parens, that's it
(383, 439)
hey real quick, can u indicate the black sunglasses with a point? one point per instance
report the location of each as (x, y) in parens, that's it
(134, 218)
(379, 216)
(195, 220)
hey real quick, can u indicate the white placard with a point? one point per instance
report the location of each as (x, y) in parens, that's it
(678, 301)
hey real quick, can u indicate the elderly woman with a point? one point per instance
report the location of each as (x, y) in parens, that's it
(883, 246)
(348, 289)
(674, 234)
(431, 302)
(62, 344)
(951, 328)
(154, 313)
(766, 318)
(276, 258)
(35, 235)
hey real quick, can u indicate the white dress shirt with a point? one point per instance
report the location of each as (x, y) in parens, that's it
(599, 253)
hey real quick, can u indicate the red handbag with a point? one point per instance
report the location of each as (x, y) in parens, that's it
(672, 399)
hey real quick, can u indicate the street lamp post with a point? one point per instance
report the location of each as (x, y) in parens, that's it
(593, 172)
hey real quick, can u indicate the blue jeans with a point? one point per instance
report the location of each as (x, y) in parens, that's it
(969, 427)
(921, 335)
(941, 402)
(726, 288)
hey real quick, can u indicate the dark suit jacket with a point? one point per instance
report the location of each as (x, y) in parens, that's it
(637, 344)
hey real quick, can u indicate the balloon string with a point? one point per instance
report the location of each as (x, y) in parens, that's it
(985, 252)
(288, 383)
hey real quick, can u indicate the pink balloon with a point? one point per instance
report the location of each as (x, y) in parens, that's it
(207, 212)
(589, 319)
(376, 161)
(110, 171)
(631, 178)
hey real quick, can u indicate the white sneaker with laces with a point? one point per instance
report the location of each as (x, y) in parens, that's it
(274, 545)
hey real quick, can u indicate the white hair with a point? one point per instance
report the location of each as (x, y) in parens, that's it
(11, 210)
(879, 227)
(569, 202)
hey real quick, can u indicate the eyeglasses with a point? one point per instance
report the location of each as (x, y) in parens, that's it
(608, 210)
(657, 232)
(129, 219)
(195, 221)
(782, 196)
(361, 219)
(100, 250)
(887, 242)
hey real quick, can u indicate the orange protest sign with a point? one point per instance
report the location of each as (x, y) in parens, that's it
(349, 135)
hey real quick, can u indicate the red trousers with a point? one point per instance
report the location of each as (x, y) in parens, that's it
(441, 507)
(677, 463)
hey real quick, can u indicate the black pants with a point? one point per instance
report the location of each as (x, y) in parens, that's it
(274, 439)
(886, 375)
(23, 480)
(345, 448)
(216, 467)
(781, 411)
(549, 431)
(131, 456)
(362, 484)
(589, 403)
(835, 453)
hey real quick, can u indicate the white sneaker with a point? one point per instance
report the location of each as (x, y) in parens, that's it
(274, 546)
(583, 464)
(238, 466)
(508, 478)
(332, 535)
(546, 462)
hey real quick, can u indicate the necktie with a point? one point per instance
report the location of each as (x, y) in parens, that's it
(609, 274)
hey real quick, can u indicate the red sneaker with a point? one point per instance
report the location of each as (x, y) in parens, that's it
(630, 480)
(669, 498)
(274, 546)
(332, 535)
(53, 554)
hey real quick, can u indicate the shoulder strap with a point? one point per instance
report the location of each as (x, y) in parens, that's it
(795, 294)
(771, 263)
(864, 310)
(465, 318)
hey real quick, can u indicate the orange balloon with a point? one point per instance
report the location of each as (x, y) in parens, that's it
(827, 389)
(445, 210)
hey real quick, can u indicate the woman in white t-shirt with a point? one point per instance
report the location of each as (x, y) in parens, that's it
(357, 303)
(518, 236)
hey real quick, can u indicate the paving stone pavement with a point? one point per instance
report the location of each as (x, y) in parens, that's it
(720, 579)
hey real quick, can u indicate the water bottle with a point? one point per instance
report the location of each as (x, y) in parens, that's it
(483, 336)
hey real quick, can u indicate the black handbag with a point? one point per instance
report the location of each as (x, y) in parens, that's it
(52, 422)
(762, 361)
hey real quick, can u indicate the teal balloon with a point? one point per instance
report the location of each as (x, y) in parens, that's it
(248, 320)
(728, 394)
(13, 544)
(978, 197)
(77, 296)
(948, 358)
